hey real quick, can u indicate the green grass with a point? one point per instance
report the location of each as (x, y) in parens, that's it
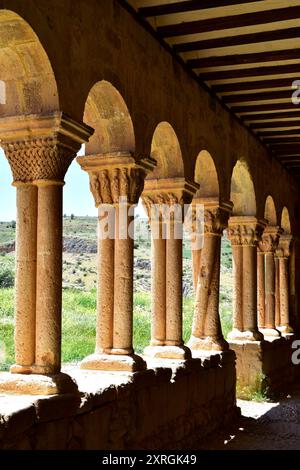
(79, 324)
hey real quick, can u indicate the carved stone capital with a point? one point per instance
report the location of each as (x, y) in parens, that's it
(116, 176)
(160, 193)
(245, 230)
(270, 238)
(215, 214)
(283, 249)
(41, 148)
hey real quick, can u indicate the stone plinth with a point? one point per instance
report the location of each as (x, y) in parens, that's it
(264, 366)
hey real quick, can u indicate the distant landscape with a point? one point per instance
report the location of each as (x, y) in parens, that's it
(79, 289)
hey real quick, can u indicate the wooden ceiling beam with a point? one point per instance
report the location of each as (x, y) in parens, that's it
(228, 22)
(182, 7)
(268, 116)
(243, 39)
(250, 72)
(255, 85)
(240, 59)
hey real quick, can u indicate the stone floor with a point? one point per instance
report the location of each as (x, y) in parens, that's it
(262, 426)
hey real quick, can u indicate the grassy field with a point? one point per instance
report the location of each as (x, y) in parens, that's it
(79, 294)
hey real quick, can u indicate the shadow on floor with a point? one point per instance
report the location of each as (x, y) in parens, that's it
(262, 426)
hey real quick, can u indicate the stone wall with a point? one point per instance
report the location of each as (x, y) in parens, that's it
(265, 366)
(172, 406)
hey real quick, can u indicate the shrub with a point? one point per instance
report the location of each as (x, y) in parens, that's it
(7, 277)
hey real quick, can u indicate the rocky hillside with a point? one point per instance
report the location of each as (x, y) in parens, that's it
(80, 262)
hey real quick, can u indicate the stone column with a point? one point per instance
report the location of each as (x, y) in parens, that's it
(277, 293)
(164, 200)
(206, 330)
(105, 279)
(116, 182)
(267, 245)
(283, 257)
(261, 288)
(25, 281)
(39, 159)
(244, 232)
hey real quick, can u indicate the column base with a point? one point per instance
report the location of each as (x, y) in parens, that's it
(168, 352)
(17, 369)
(113, 362)
(237, 335)
(34, 384)
(285, 330)
(208, 343)
(270, 333)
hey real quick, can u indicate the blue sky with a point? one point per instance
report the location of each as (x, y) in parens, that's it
(77, 197)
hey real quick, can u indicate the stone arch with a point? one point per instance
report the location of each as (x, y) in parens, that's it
(242, 192)
(165, 149)
(206, 176)
(28, 84)
(270, 211)
(107, 112)
(285, 221)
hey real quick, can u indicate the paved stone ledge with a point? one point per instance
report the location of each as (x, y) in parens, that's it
(118, 410)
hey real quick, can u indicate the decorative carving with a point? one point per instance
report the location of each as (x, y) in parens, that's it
(284, 246)
(244, 232)
(109, 185)
(159, 205)
(40, 159)
(215, 220)
(269, 239)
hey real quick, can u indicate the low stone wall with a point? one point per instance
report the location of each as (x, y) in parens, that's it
(265, 366)
(169, 407)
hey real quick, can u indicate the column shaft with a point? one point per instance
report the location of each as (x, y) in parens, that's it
(261, 288)
(158, 285)
(249, 288)
(284, 291)
(123, 285)
(277, 293)
(196, 260)
(25, 283)
(205, 290)
(49, 278)
(174, 286)
(270, 291)
(237, 255)
(105, 285)
(212, 323)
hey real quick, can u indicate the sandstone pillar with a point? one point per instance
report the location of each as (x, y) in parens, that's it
(105, 280)
(116, 182)
(283, 258)
(39, 151)
(244, 232)
(267, 245)
(206, 330)
(158, 282)
(164, 200)
(25, 281)
(261, 288)
(277, 293)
